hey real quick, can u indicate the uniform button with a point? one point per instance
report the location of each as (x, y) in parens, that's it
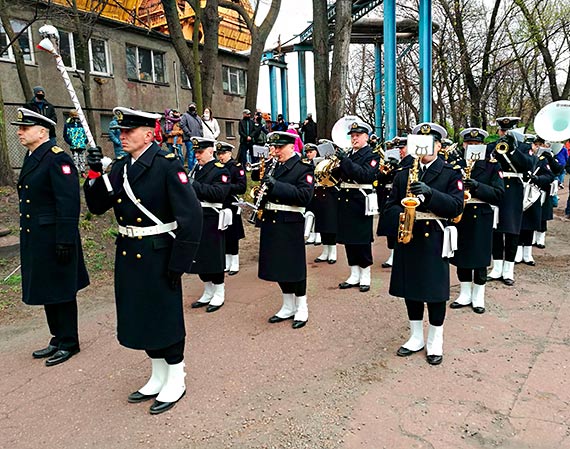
(274, 221)
(347, 200)
(28, 201)
(27, 215)
(27, 186)
(20, 201)
(507, 186)
(124, 253)
(119, 201)
(474, 216)
(139, 220)
(138, 200)
(120, 218)
(20, 228)
(140, 237)
(27, 230)
(20, 215)
(474, 207)
(426, 234)
(139, 256)
(20, 186)
(427, 222)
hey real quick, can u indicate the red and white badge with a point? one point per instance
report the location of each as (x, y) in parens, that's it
(460, 184)
(242, 173)
(310, 179)
(501, 174)
(66, 169)
(183, 177)
(373, 163)
(224, 178)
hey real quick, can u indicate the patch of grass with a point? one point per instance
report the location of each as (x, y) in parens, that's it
(14, 280)
(111, 233)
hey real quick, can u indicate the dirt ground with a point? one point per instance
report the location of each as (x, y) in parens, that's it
(334, 384)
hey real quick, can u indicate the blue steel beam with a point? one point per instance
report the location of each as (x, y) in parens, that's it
(284, 95)
(425, 37)
(378, 119)
(302, 86)
(273, 92)
(390, 68)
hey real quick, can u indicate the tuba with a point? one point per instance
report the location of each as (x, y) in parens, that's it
(410, 203)
(553, 121)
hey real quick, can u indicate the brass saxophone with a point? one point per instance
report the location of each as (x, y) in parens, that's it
(410, 202)
(255, 189)
(262, 193)
(466, 193)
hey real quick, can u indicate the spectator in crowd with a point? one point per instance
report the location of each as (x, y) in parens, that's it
(246, 134)
(281, 124)
(158, 132)
(298, 142)
(173, 132)
(309, 129)
(40, 105)
(192, 126)
(260, 130)
(115, 137)
(211, 127)
(561, 157)
(76, 137)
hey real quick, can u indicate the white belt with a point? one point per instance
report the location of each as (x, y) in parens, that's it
(136, 231)
(388, 186)
(510, 174)
(475, 201)
(428, 216)
(212, 205)
(284, 208)
(347, 185)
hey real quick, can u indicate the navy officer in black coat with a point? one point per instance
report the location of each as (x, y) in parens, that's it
(475, 229)
(211, 181)
(53, 269)
(357, 171)
(420, 273)
(238, 186)
(160, 222)
(289, 183)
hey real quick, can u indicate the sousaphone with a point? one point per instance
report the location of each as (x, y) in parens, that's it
(553, 121)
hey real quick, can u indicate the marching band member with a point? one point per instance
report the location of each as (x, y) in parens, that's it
(357, 171)
(475, 229)
(324, 205)
(514, 160)
(159, 230)
(288, 187)
(384, 188)
(543, 177)
(211, 182)
(238, 186)
(420, 273)
(548, 205)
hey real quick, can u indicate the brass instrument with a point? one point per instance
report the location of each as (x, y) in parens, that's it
(261, 164)
(410, 202)
(384, 168)
(323, 171)
(502, 147)
(250, 167)
(261, 192)
(466, 193)
(448, 151)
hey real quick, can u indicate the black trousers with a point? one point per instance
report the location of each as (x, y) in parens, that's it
(436, 311)
(232, 246)
(62, 323)
(390, 241)
(476, 275)
(173, 354)
(298, 288)
(214, 278)
(525, 237)
(360, 255)
(328, 238)
(505, 246)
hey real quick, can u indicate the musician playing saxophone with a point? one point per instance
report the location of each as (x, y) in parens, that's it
(357, 172)
(420, 273)
(484, 182)
(289, 190)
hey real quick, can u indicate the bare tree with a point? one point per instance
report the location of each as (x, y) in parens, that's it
(321, 57)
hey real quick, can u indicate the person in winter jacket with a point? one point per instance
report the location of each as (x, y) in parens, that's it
(75, 136)
(40, 105)
(298, 142)
(115, 137)
(211, 127)
(173, 132)
(192, 126)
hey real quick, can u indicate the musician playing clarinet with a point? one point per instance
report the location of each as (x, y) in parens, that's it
(287, 187)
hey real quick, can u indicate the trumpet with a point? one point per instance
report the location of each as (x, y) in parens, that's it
(250, 167)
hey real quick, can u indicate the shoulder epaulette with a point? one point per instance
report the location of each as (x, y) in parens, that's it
(219, 164)
(457, 167)
(493, 160)
(541, 158)
(238, 164)
(306, 161)
(56, 150)
(120, 157)
(170, 156)
(400, 168)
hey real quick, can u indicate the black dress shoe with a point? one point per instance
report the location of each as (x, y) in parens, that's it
(317, 244)
(45, 352)
(509, 282)
(345, 285)
(540, 246)
(278, 319)
(60, 356)
(198, 304)
(434, 359)
(531, 263)
(331, 261)
(137, 396)
(233, 273)
(298, 324)
(457, 305)
(386, 265)
(212, 308)
(490, 279)
(160, 407)
(317, 260)
(479, 310)
(405, 352)
(364, 288)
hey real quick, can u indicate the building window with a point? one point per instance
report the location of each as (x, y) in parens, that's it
(98, 53)
(184, 80)
(230, 133)
(145, 65)
(25, 41)
(233, 80)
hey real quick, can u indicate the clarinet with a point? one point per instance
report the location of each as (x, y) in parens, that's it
(259, 201)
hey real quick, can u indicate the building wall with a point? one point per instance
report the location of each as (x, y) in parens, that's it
(117, 89)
